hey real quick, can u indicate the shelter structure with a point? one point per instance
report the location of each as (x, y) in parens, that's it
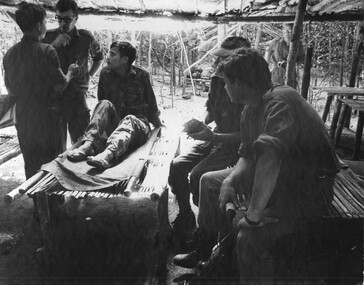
(220, 11)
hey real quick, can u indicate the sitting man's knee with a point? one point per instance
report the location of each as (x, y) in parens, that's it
(245, 245)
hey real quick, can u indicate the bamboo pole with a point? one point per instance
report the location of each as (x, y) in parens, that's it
(307, 73)
(293, 47)
(31, 181)
(258, 36)
(187, 61)
(9, 155)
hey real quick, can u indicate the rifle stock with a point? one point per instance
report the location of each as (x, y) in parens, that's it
(217, 252)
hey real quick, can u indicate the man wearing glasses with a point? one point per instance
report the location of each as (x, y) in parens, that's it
(74, 46)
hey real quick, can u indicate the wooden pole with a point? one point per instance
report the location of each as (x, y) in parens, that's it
(307, 72)
(258, 36)
(293, 47)
(358, 46)
(187, 61)
(150, 58)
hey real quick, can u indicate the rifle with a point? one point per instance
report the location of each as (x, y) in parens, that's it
(218, 251)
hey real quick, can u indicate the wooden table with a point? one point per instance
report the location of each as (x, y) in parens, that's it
(356, 105)
(338, 118)
(337, 91)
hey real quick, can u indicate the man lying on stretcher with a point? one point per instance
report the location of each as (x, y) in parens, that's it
(120, 120)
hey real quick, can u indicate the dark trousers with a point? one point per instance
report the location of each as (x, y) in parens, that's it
(75, 115)
(40, 142)
(187, 169)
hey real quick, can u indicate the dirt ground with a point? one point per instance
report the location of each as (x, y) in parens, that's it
(112, 241)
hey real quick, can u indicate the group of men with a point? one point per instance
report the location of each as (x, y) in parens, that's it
(47, 74)
(269, 146)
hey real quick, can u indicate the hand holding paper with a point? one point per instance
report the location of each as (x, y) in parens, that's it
(198, 130)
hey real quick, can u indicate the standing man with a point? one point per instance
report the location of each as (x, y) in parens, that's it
(33, 77)
(286, 167)
(74, 46)
(219, 148)
(121, 120)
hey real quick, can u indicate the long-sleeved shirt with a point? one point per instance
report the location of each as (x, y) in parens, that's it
(32, 70)
(131, 95)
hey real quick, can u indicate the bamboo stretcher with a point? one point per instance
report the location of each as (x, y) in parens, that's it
(148, 179)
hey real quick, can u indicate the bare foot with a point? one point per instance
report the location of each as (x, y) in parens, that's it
(103, 160)
(82, 152)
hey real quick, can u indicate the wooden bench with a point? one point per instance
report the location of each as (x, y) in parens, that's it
(348, 202)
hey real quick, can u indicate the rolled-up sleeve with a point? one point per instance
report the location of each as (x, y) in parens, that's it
(279, 128)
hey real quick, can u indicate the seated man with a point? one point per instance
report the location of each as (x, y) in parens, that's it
(287, 168)
(219, 149)
(127, 105)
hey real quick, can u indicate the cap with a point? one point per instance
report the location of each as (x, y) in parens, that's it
(229, 45)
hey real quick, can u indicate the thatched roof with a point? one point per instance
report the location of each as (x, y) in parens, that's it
(218, 10)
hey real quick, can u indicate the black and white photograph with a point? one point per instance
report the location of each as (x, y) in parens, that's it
(181, 142)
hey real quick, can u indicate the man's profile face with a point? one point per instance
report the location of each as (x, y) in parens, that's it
(43, 29)
(114, 61)
(235, 90)
(218, 60)
(66, 20)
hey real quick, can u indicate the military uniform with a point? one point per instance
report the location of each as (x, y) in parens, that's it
(73, 106)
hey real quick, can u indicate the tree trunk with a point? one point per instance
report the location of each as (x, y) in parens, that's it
(183, 73)
(343, 54)
(150, 57)
(171, 83)
(140, 50)
(293, 47)
(307, 71)
(258, 36)
(357, 48)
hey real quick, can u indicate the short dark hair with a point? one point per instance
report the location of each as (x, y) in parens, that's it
(125, 49)
(248, 66)
(65, 5)
(235, 42)
(28, 15)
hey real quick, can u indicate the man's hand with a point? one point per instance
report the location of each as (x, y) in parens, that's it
(265, 220)
(73, 70)
(61, 40)
(204, 135)
(158, 123)
(227, 194)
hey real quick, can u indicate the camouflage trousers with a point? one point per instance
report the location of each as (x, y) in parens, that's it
(105, 130)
